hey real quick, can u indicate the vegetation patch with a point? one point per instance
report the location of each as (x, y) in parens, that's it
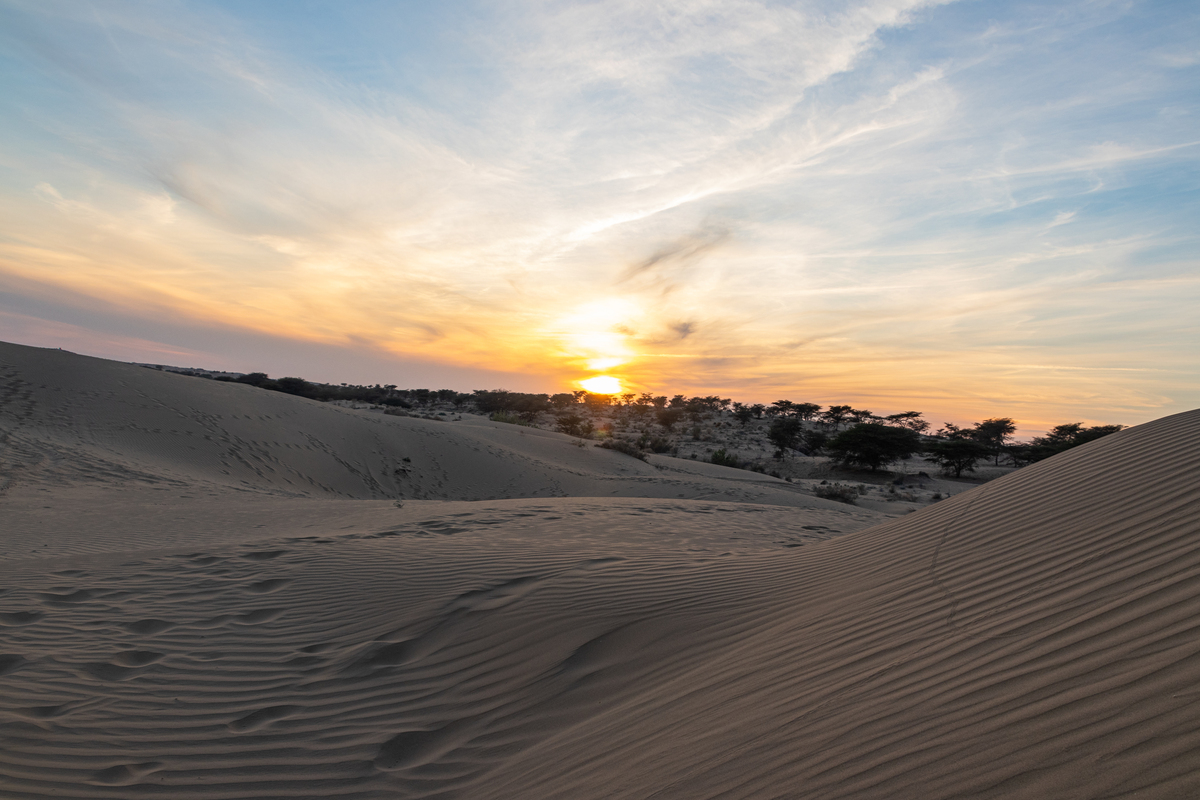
(624, 446)
(841, 492)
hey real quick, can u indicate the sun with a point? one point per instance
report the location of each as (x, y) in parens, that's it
(602, 384)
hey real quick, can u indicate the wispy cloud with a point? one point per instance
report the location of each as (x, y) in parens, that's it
(808, 198)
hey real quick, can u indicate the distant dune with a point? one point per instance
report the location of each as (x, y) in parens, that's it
(208, 591)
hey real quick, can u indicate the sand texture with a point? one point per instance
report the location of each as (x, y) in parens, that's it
(207, 591)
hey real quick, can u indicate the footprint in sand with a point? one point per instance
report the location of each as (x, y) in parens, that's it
(148, 627)
(263, 587)
(263, 555)
(136, 658)
(412, 748)
(11, 662)
(125, 774)
(261, 717)
(67, 599)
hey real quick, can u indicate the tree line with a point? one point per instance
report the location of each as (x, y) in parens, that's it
(851, 436)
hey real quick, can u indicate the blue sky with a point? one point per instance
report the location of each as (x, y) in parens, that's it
(968, 208)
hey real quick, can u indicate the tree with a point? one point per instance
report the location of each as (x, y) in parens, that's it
(575, 425)
(596, 402)
(667, 417)
(1064, 437)
(297, 386)
(742, 413)
(836, 415)
(957, 455)
(783, 408)
(909, 419)
(806, 411)
(861, 415)
(784, 433)
(871, 445)
(994, 433)
(814, 441)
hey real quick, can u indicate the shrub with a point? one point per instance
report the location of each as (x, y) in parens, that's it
(624, 446)
(843, 493)
(510, 418)
(575, 425)
(667, 417)
(724, 459)
(655, 444)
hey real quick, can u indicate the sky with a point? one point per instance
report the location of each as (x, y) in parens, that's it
(970, 209)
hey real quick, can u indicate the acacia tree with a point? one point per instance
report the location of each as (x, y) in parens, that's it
(871, 445)
(784, 433)
(909, 419)
(806, 411)
(783, 407)
(957, 455)
(994, 434)
(836, 415)
(667, 417)
(1063, 437)
(860, 415)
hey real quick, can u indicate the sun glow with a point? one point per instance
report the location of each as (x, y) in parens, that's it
(602, 384)
(598, 335)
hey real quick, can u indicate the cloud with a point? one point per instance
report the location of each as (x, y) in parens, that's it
(680, 253)
(892, 184)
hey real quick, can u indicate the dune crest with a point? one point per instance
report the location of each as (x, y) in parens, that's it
(1034, 637)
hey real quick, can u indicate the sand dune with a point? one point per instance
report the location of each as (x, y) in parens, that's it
(71, 421)
(179, 623)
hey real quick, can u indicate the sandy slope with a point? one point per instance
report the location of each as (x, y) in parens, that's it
(68, 420)
(1035, 637)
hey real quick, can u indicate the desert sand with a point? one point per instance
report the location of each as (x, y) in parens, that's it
(210, 591)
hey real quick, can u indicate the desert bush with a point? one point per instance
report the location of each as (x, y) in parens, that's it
(574, 425)
(510, 418)
(724, 459)
(843, 493)
(667, 417)
(624, 446)
(655, 444)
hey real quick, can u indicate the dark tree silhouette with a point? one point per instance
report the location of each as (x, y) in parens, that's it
(957, 455)
(784, 433)
(909, 419)
(836, 415)
(667, 417)
(994, 434)
(1062, 438)
(871, 445)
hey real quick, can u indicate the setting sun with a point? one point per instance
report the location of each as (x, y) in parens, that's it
(602, 384)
